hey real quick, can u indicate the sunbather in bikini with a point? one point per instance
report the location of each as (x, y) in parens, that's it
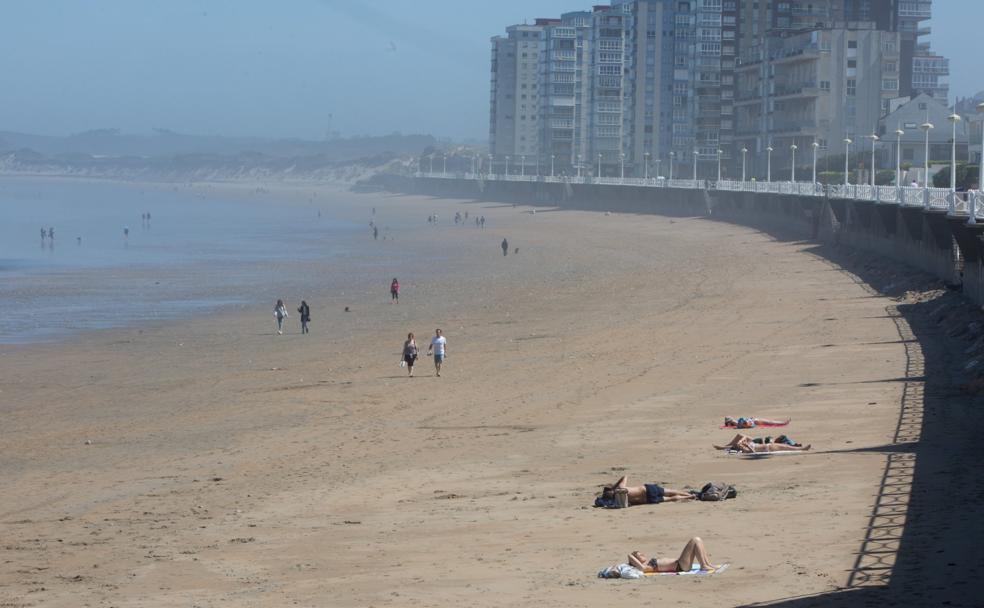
(751, 423)
(648, 494)
(748, 445)
(693, 552)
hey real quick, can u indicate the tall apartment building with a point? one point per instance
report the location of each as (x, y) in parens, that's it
(641, 80)
(823, 70)
(565, 60)
(515, 87)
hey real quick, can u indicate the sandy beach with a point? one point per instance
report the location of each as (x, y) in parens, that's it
(229, 466)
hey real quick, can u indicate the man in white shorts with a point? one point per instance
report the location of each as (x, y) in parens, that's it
(438, 344)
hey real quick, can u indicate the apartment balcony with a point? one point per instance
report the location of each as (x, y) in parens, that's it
(797, 90)
(915, 10)
(562, 102)
(808, 53)
(793, 127)
(561, 123)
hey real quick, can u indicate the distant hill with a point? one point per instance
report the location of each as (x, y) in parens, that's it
(167, 144)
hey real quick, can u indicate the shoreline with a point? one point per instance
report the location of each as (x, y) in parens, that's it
(231, 465)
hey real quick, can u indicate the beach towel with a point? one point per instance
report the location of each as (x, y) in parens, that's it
(695, 570)
(627, 571)
(758, 425)
(764, 454)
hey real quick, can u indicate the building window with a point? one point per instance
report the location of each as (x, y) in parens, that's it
(852, 44)
(890, 84)
(852, 63)
(852, 87)
(824, 85)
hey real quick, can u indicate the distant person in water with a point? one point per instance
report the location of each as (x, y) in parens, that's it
(375, 233)
(51, 233)
(305, 311)
(78, 241)
(647, 494)
(126, 232)
(395, 291)
(410, 353)
(505, 247)
(438, 345)
(749, 445)
(44, 235)
(280, 311)
(751, 423)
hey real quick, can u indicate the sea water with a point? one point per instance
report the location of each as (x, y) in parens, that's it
(198, 252)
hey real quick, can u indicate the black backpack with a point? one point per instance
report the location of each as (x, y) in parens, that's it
(715, 491)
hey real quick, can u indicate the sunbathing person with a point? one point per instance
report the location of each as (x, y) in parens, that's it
(693, 552)
(748, 445)
(751, 423)
(648, 494)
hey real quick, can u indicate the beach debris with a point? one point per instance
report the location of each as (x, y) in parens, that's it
(244, 540)
(352, 523)
(88, 442)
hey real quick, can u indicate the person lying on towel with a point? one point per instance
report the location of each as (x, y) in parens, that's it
(758, 445)
(751, 423)
(693, 552)
(647, 494)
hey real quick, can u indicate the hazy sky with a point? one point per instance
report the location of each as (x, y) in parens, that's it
(256, 67)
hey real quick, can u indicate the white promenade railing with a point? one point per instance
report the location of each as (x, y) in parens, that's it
(940, 199)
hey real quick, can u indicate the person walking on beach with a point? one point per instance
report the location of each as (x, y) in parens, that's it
(410, 353)
(375, 233)
(280, 311)
(438, 345)
(505, 247)
(305, 311)
(395, 291)
(483, 222)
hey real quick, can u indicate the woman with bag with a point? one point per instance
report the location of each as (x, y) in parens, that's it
(305, 311)
(409, 354)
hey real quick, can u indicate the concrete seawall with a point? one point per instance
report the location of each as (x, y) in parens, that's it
(929, 240)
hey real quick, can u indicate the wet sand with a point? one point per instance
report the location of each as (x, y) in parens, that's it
(230, 466)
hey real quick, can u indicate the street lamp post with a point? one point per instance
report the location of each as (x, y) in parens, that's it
(579, 166)
(599, 165)
(954, 119)
(847, 156)
(552, 158)
(658, 163)
(980, 173)
(646, 158)
(522, 165)
(621, 166)
(431, 160)
(816, 146)
(695, 164)
(720, 152)
(491, 166)
(507, 165)
(898, 157)
(673, 156)
(874, 140)
(793, 148)
(768, 165)
(444, 169)
(926, 127)
(744, 151)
